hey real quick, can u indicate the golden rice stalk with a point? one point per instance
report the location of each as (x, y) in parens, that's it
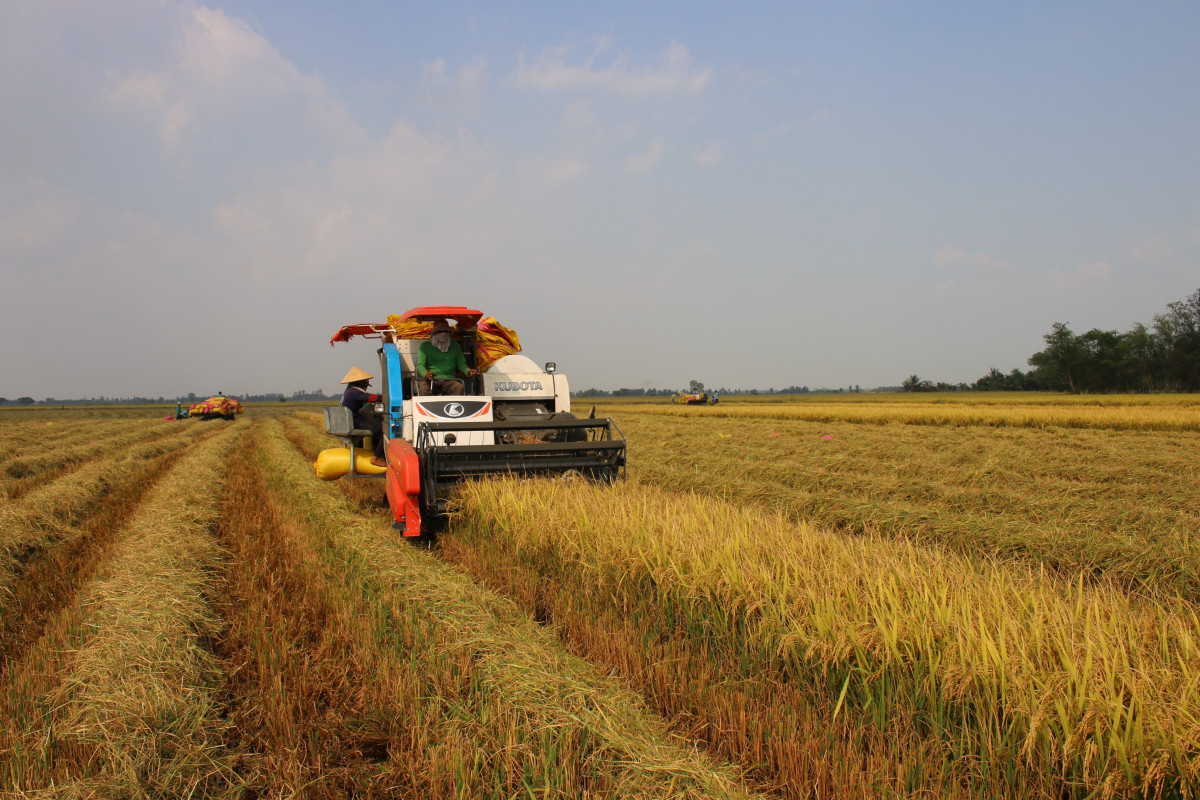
(1066, 688)
(1118, 412)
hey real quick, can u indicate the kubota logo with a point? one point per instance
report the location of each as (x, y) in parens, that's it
(518, 386)
(454, 410)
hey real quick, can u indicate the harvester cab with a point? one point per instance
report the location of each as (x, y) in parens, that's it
(514, 417)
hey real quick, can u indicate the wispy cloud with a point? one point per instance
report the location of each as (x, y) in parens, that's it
(438, 81)
(645, 161)
(948, 257)
(222, 74)
(1164, 247)
(774, 133)
(1097, 271)
(558, 69)
(709, 155)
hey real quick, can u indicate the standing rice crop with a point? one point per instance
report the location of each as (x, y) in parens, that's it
(1121, 504)
(842, 663)
(1000, 409)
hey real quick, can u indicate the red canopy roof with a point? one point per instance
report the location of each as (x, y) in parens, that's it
(465, 317)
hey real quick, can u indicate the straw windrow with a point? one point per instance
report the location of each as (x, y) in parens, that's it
(53, 511)
(36, 465)
(562, 719)
(133, 714)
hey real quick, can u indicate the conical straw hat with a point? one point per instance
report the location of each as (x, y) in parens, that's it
(356, 374)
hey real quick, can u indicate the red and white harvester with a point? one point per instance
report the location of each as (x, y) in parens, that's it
(514, 418)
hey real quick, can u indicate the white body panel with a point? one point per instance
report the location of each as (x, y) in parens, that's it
(517, 378)
(453, 408)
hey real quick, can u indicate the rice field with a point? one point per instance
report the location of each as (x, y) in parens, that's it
(935, 597)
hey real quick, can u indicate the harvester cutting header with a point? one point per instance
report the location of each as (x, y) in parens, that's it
(497, 412)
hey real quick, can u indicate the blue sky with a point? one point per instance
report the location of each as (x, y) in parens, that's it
(195, 196)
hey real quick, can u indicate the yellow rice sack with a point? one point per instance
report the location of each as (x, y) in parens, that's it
(493, 342)
(333, 463)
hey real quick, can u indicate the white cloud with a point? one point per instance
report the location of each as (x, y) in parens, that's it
(774, 133)
(437, 82)
(674, 74)
(559, 172)
(221, 79)
(645, 161)
(579, 116)
(948, 257)
(818, 117)
(1164, 247)
(1097, 271)
(709, 155)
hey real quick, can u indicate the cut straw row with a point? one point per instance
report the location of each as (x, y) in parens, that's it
(909, 667)
(52, 512)
(19, 438)
(37, 464)
(544, 722)
(132, 711)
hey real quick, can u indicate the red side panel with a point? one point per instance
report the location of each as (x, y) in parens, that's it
(404, 485)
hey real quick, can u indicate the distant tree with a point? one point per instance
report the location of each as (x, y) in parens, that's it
(992, 382)
(3, 400)
(914, 384)
(695, 387)
(1142, 355)
(24, 401)
(1179, 332)
(1059, 364)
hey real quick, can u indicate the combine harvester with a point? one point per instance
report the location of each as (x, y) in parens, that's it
(514, 418)
(692, 399)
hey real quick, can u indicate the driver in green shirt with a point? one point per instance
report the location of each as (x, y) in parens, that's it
(439, 362)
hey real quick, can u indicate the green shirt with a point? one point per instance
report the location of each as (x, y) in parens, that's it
(444, 366)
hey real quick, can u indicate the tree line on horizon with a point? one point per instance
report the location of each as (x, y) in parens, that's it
(1164, 357)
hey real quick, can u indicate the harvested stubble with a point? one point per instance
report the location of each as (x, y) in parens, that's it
(19, 438)
(52, 566)
(480, 702)
(851, 664)
(1000, 409)
(117, 700)
(1122, 504)
(53, 511)
(32, 468)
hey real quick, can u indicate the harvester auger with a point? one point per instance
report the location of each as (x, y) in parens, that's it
(514, 418)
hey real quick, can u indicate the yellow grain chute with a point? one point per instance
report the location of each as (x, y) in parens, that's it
(333, 463)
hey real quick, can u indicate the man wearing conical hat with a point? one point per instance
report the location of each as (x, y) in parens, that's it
(362, 405)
